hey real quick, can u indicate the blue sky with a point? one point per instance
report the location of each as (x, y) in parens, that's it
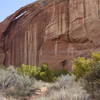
(7, 7)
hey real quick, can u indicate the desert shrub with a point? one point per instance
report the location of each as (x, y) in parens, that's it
(51, 75)
(45, 74)
(41, 73)
(14, 84)
(65, 88)
(31, 71)
(2, 66)
(92, 81)
(60, 72)
(89, 71)
(81, 67)
(96, 56)
(94, 73)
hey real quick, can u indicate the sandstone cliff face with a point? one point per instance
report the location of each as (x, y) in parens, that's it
(54, 33)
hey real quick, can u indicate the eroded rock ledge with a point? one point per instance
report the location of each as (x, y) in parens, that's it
(53, 32)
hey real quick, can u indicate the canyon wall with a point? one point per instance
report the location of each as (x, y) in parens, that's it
(54, 32)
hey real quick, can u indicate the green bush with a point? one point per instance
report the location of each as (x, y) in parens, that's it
(28, 70)
(89, 71)
(41, 73)
(96, 56)
(3, 67)
(81, 67)
(45, 74)
(60, 72)
(94, 74)
(44, 67)
(92, 80)
(51, 75)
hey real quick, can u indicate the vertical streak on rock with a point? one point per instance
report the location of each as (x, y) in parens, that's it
(14, 53)
(22, 49)
(32, 44)
(58, 19)
(64, 24)
(69, 26)
(68, 19)
(84, 9)
(19, 57)
(41, 52)
(84, 16)
(45, 37)
(61, 19)
(35, 44)
(59, 24)
(29, 44)
(11, 51)
(54, 9)
(25, 48)
(17, 51)
(56, 48)
(2, 51)
(99, 9)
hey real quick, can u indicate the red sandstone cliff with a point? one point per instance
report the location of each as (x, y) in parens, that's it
(54, 33)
